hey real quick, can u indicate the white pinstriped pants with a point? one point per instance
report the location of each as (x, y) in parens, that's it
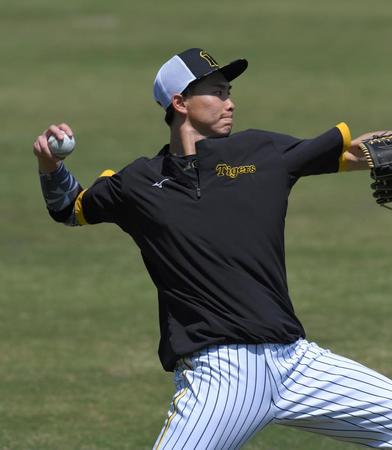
(227, 393)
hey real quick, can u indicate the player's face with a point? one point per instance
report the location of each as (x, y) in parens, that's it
(209, 107)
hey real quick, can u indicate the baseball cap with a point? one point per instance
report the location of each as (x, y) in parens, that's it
(184, 68)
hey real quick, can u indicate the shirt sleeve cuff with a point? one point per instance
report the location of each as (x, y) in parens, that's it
(78, 208)
(346, 136)
(107, 173)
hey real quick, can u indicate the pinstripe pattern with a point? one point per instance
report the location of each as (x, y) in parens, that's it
(227, 393)
(172, 415)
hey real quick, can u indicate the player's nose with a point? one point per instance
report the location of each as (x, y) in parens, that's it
(229, 105)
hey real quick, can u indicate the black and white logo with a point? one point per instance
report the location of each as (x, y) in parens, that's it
(159, 184)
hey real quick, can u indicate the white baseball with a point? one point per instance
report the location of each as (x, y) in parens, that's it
(61, 148)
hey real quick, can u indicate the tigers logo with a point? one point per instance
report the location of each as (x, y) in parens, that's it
(211, 61)
(233, 172)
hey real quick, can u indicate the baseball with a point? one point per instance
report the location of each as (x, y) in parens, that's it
(61, 148)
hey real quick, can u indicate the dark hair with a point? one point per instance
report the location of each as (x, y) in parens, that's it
(169, 116)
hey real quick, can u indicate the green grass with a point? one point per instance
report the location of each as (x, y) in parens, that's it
(78, 363)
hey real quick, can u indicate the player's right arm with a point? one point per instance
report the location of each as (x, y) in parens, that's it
(66, 200)
(47, 162)
(59, 187)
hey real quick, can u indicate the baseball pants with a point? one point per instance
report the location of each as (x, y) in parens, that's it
(226, 393)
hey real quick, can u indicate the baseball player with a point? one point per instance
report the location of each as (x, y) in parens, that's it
(208, 214)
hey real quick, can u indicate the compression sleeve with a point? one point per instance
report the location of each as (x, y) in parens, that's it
(68, 203)
(60, 189)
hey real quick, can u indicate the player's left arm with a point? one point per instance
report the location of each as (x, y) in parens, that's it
(352, 156)
(332, 151)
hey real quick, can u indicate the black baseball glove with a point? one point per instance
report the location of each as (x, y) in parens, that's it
(378, 152)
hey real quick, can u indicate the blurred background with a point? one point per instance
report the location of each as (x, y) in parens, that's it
(79, 329)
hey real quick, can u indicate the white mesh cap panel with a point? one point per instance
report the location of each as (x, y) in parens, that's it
(173, 77)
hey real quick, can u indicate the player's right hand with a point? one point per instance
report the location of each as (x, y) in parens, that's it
(48, 162)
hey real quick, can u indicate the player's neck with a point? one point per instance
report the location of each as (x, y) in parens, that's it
(183, 140)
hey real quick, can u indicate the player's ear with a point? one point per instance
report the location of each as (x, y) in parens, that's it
(178, 103)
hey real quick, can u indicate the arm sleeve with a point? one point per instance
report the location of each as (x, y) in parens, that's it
(323, 154)
(60, 189)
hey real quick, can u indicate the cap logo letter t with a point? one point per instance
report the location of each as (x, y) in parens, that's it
(211, 61)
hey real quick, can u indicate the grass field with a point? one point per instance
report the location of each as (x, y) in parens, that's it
(79, 330)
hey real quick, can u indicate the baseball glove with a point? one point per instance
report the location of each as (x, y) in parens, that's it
(378, 153)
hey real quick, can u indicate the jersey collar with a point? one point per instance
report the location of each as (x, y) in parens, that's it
(208, 152)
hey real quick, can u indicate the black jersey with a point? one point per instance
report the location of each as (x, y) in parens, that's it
(210, 228)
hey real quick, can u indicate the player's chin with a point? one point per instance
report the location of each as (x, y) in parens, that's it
(223, 130)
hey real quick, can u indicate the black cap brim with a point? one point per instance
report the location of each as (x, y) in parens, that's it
(229, 71)
(234, 69)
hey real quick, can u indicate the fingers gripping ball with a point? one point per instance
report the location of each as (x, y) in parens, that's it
(61, 148)
(378, 152)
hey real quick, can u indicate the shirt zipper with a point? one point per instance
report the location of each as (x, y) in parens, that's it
(198, 189)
